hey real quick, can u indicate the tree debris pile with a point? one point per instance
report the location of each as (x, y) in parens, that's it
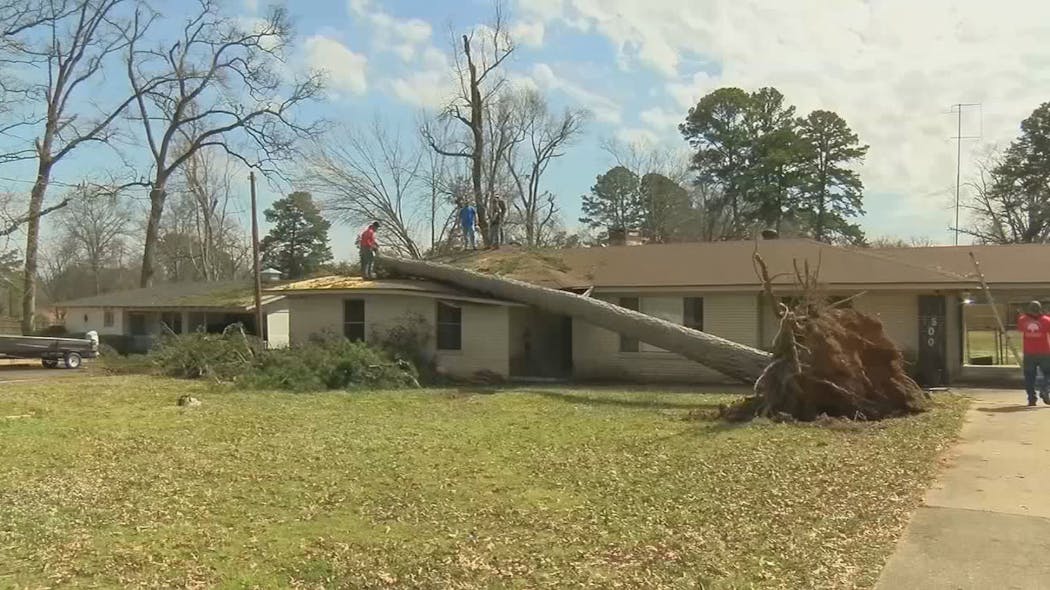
(830, 361)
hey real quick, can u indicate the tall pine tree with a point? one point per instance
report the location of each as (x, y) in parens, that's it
(297, 245)
(831, 189)
(614, 202)
(665, 207)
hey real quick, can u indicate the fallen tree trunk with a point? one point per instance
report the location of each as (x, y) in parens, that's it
(725, 356)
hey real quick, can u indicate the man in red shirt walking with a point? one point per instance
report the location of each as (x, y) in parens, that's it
(1034, 327)
(369, 247)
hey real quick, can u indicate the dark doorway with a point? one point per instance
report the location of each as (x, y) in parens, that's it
(540, 344)
(932, 370)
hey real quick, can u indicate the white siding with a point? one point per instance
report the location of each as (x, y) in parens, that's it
(85, 319)
(277, 324)
(596, 352)
(899, 313)
(486, 341)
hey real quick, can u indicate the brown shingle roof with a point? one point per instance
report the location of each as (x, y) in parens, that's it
(711, 264)
(1001, 265)
(729, 264)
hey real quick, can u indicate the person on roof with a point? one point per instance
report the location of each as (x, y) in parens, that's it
(499, 214)
(1034, 326)
(468, 219)
(369, 247)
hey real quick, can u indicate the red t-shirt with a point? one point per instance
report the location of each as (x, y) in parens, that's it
(368, 238)
(1035, 331)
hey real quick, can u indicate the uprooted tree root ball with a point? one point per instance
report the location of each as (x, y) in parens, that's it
(829, 361)
(838, 362)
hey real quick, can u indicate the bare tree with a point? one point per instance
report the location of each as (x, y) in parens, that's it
(82, 37)
(541, 137)
(219, 85)
(206, 212)
(18, 19)
(645, 158)
(374, 176)
(96, 229)
(892, 242)
(440, 183)
(1004, 211)
(477, 63)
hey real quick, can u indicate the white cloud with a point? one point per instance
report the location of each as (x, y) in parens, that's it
(346, 70)
(431, 86)
(251, 6)
(603, 108)
(528, 33)
(661, 120)
(638, 136)
(890, 68)
(403, 37)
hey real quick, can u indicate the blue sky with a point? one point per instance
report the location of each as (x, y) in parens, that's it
(892, 68)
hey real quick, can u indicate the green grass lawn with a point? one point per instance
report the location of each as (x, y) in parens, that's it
(109, 484)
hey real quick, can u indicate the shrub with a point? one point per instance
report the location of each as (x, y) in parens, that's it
(324, 363)
(408, 340)
(329, 364)
(192, 356)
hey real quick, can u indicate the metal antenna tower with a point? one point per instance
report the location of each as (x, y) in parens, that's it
(958, 108)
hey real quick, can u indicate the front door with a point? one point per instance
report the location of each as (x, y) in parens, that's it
(933, 341)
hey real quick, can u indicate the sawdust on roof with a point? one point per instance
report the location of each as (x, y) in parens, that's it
(542, 267)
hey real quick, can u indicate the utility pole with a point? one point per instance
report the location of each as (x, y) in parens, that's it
(958, 108)
(260, 329)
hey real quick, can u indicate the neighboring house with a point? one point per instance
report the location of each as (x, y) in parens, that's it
(928, 299)
(133, 319)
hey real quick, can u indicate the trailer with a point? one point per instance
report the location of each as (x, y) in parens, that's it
(71, 352)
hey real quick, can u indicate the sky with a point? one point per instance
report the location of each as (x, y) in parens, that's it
(892, 68)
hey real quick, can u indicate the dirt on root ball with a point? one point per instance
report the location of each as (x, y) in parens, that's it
(839, 363)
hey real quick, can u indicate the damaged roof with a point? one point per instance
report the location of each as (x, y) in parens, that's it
(348, 284)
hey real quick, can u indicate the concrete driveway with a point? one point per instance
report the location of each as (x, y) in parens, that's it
(986, 522)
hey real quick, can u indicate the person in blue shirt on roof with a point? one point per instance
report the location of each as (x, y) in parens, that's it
(468, 219)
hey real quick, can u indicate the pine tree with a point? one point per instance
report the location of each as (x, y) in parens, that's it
(831, 190)
(614, 202)
(298, 243)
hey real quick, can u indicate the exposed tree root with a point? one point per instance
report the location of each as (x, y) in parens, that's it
(829, 362)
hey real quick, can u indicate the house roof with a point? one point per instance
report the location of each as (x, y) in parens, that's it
(1001, 265)
(713, 265)
(220, 295)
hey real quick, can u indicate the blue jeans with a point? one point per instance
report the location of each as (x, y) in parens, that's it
(1033, 364)
(468, 238)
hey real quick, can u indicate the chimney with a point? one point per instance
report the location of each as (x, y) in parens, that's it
(770, 234)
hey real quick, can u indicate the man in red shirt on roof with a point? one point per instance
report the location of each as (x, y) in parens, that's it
(369, 247)
(1034, 327)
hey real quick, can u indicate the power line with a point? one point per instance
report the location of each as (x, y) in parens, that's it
(958, 108)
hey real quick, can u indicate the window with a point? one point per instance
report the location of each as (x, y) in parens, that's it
(693, 313)
(354, 320)
(449, 327)
(628, 344)
(173, 320)
(107, 318)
